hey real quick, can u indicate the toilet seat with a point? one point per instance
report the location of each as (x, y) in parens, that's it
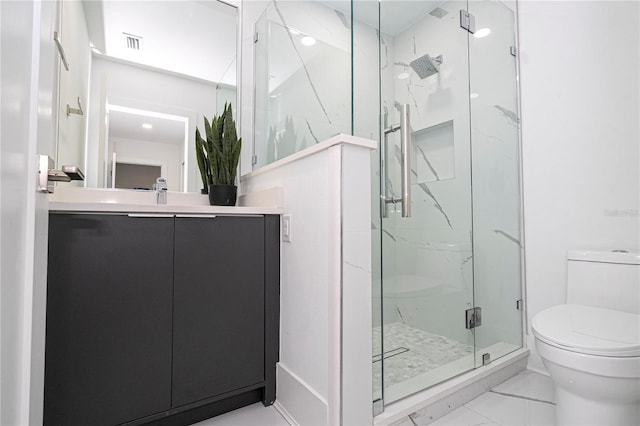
(589, 330)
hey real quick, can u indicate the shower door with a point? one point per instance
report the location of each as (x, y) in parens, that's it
(497, 248)
(427, 264)
(448, 198)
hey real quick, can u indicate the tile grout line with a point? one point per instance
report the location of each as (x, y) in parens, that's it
(479, 414)
(522, 397)
(412, 421)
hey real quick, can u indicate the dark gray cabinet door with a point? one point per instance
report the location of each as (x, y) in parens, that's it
(218, 326)
(109, 318)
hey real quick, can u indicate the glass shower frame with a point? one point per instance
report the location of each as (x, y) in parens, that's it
(488, 274)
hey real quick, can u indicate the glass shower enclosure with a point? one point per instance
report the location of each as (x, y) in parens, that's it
(448, 291)
(435, 84)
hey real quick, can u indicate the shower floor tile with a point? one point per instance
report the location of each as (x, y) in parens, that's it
(410, 352)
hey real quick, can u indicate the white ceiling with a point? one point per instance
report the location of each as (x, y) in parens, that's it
(195, 38)
(396, 16)
(128, 125)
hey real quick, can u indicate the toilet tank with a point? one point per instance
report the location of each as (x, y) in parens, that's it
(605, 279)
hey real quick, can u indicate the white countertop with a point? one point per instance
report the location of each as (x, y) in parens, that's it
(88, 200)
(62, 206)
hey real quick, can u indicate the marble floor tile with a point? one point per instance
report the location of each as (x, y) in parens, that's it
(513, 411)
(405, 421)
(460, 417)
(530, 384)
(251, 415)
(525, 399)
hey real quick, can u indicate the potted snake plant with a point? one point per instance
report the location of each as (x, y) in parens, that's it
(218, 155)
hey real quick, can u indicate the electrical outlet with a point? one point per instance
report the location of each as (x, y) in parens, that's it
(286, 228)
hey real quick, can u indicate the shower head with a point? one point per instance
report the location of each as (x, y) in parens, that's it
(426, 66)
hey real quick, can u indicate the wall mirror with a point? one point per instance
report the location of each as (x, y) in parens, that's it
(141, 76)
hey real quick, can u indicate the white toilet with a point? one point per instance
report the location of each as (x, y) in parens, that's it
(591, 345)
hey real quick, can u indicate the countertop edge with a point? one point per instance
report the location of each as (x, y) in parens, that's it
(63, 206)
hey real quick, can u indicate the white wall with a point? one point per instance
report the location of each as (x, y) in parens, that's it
(73, 84)
(28, 75)
(327, 196)
(580, 137)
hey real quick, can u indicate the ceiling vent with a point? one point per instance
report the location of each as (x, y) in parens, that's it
(438, 12)
(134, 42)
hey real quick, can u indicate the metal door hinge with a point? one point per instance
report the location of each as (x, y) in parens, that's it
(519, 304)
(255, 37)
(486, 359)
(473, 317)
(378, 407)
(513, 50)
(467, 21)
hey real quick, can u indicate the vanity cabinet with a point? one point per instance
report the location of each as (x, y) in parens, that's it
(162, 319)
(218, 331)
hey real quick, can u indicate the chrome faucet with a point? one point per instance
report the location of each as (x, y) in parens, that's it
(161, 190)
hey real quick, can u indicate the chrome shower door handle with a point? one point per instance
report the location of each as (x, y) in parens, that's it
(385, 199)
(405, 158)
(405, 163)
(383, 176)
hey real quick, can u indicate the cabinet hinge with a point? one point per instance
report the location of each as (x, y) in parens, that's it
(473, 317)
(467, 21)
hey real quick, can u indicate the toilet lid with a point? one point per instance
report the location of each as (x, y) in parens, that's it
(589, 330)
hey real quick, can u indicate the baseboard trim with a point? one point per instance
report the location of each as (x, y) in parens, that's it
(302, 404)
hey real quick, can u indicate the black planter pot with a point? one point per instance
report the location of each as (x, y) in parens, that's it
(204, 190)
(222, 195)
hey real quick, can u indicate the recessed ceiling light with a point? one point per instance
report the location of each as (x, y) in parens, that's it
(147, 126)
(474, 95)
(308, 41)
(482, 32)
(403, 76)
